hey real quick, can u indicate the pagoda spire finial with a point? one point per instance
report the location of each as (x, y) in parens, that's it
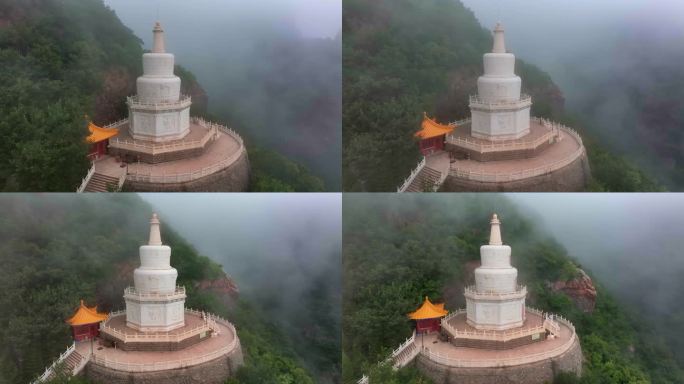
(158, 45)
(499, 41)
(155, 234)
(495, 234)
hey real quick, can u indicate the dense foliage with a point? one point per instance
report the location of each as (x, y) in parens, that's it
(53, 55)
(58, 249)
(62, 60)
(403, 57)
(400, 248)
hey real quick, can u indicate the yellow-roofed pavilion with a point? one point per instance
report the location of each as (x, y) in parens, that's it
(432, 135)
(428, 316)
(85, 323)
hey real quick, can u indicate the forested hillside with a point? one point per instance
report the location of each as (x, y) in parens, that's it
(58, 249)
(64, 59)
(400, 249)
(403, 57)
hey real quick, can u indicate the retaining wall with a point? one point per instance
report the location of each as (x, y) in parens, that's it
(532, 373)
(212, 372)
(234, 178)
(572, 178)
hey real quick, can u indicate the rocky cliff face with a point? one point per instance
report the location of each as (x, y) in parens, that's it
(580, 289)
(224, 287)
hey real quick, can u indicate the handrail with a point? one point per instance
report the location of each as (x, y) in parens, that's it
(183, 101)
(499, 362)
(49, 370)
(86, 179)
(473, 292)
(137, 176)
(159, 148)
(506, 145)
(523, 174)
(179, 290)
(412, 176)
(524, 99)
(174, 364)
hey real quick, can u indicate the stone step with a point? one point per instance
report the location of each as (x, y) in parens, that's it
(425, 180)
(100, 183)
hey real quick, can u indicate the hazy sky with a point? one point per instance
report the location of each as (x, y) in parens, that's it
(628, 240)
(250, 232)
(313, 18)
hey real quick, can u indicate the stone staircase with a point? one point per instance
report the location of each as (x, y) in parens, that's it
(406, 356)
(426, 180)
(101, 183)
(73, 364)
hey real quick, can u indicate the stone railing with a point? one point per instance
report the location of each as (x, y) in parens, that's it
(159, 148)
(137, 176)
(50, 370)
(86, 179)
(471, 291)
(412, 176)
(116, 124)
(173, 364)
(363, 380)
(183, 102)
(410, 340)
(506, 145)
(179, 291)
(504, 361)
(209, 324)
(492, 177)
(524, 99)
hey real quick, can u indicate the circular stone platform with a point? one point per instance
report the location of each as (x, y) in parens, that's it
(532, 363)
(218, 165)
(530, 164)
(211, 360)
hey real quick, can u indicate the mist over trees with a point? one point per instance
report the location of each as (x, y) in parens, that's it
(618, 64)
(399, 248)
(272, 69)
(284, 253)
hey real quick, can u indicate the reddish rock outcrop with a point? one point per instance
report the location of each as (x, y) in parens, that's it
(224, 287)
(580, 289)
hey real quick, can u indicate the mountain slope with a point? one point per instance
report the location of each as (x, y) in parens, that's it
(63, 59)
(403, 57)
(400, 249)
(58, 249)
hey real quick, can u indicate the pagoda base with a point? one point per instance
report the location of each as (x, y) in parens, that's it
(530, 363)
(212, 158)
(461, 333)
(117, 333)
(551, 159)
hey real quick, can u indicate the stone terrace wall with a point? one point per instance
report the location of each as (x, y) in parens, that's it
(572, 178)
(234, 178)
(467, 153)
(533, 373)
(212, 372)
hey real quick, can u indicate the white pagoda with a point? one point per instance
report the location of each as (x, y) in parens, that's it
(155, 303)
(159, 113)
(500, 111)
(496, 302)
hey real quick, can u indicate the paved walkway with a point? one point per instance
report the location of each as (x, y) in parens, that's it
(564, 149)
(118, 322)
(210, 344)
(459, 322)
(222, 148)
(449, 350)
(537, 130)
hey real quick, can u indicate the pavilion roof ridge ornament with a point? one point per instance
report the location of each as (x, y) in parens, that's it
(495, 232)
(155, 234)
(158, 45)
(499, 40)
